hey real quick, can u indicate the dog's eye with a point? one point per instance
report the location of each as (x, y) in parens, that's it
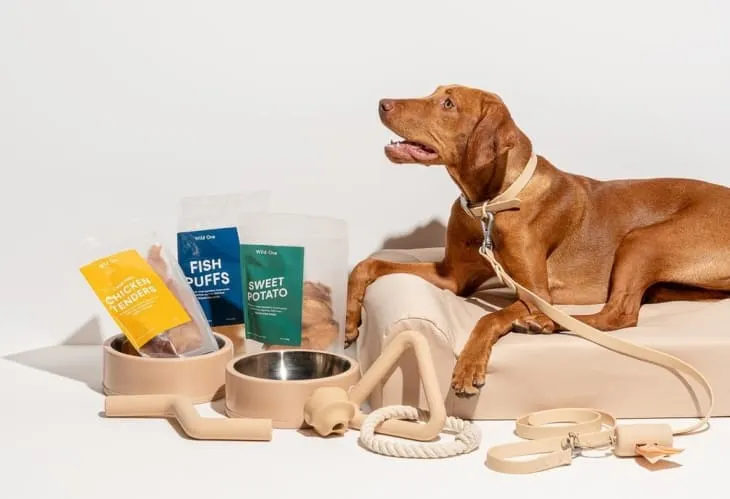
(448, 103)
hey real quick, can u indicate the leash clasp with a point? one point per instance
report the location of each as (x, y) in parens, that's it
(571, 442)
(487, 221)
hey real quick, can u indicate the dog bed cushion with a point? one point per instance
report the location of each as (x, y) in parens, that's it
(534, 372)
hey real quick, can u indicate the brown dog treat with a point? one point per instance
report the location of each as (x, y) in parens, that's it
(320, 336)
(315, 312)
(183, 338)
(160, 346)
(319, 330)
(317, 291)
(128, 349)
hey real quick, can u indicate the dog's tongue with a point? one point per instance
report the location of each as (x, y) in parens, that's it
(409, 151)
(412, 148)
(420, 152)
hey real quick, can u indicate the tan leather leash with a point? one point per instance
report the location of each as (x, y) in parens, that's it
(589, 428)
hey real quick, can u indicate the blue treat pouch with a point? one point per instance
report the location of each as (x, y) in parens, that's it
(208, 252)
(211, 262)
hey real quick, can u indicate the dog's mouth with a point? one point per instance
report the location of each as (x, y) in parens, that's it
(408, 151)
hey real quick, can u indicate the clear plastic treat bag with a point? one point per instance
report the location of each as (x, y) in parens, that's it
(294, 271)
(209, 255)
(145, 292)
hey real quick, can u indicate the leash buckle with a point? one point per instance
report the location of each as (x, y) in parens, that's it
(571, 442)
(487, 221)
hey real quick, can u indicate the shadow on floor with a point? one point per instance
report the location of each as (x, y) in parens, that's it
(86, 368)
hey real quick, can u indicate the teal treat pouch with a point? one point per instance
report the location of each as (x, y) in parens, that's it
(294, 269)
(274, 279)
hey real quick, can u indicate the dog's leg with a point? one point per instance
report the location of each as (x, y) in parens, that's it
(536, 323)
(459, 278)
(654, 255)
(471, 368)
(664, 292)
(528, 266)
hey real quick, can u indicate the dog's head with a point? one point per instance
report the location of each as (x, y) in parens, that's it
(456, 126)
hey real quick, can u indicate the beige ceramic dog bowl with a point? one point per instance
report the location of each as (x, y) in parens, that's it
(201, 379)
(276, 384)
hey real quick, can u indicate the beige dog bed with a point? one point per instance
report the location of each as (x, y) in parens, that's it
(534, 372)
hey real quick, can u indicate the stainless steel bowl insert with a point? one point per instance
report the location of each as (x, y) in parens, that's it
(292, 365)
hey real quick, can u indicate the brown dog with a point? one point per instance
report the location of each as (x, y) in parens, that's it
(574, 240)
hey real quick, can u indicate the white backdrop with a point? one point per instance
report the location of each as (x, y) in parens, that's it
(109, 109)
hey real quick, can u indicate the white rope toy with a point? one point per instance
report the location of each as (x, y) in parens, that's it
(467, 438)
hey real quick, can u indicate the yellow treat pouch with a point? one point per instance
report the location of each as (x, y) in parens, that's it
(151, 302)
(135, 296)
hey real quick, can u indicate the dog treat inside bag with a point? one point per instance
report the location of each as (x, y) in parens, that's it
(209, 256)
(147, 296)
(295, 281)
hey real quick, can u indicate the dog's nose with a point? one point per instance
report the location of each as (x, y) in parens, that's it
(386, 105)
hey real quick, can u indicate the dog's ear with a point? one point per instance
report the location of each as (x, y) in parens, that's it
(491, 138)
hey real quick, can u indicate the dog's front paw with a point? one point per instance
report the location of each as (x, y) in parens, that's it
(535, 324)
(352, 328)
(351, 336)
(469, 376)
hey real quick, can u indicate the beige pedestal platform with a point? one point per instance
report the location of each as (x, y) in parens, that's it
(535, 372)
